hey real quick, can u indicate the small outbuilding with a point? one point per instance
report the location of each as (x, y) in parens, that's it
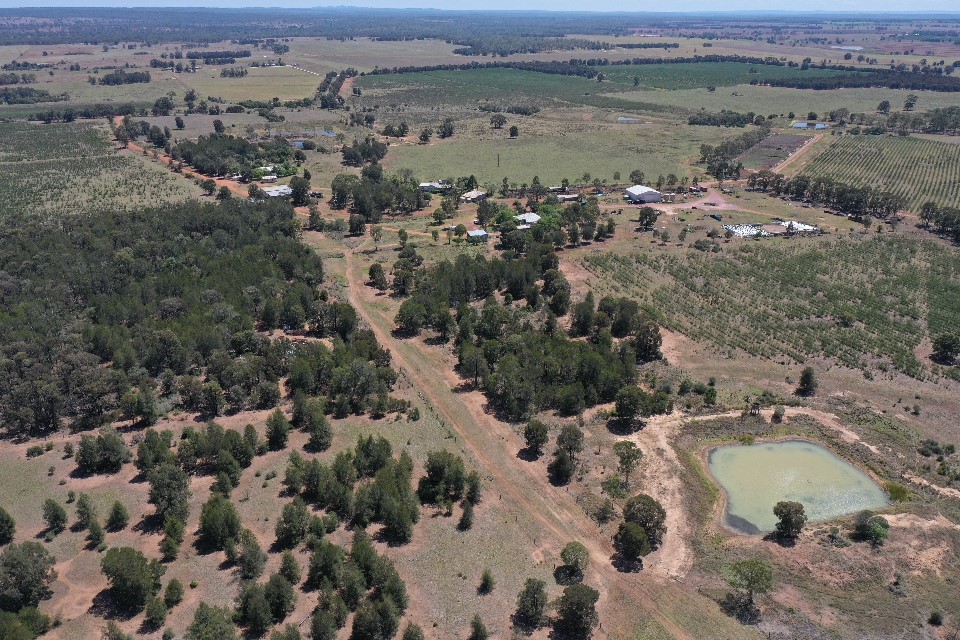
(477, 235)
(641, 194)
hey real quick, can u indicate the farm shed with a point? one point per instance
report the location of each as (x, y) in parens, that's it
(434, 187)
(640, 193)
(268, 179)
(474, 196)
(477, 235)
(528, 218)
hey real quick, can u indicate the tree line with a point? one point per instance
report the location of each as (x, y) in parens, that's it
(851, 199)
(328, 93)
(120, 76)
(721, 159)
(17, 78)
(29, 95)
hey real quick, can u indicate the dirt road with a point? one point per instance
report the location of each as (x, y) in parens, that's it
(796, 155)
(493, 445)
(235, 188)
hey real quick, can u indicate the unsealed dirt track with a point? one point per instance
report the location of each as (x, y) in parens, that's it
(491, 443)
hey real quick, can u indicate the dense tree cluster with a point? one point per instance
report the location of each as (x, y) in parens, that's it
(17, 78)
(373, 194)
(360, 153)
(29, 95)
(363, 486)
(943, 220)
(520, 368)
(361, 581)
(724, 118)
(175, 291)
(328, 93)
(221, 154)
(120, 76)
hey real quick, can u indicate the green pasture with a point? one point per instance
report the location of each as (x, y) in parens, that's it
(599, 151)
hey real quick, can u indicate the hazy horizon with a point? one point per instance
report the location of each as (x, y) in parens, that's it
(823, 7)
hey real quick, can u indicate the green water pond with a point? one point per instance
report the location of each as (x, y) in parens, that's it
(756, 477)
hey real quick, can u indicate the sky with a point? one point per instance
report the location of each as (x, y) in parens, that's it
(806, 6)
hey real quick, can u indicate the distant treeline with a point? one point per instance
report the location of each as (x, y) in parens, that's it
(648, 45)
(507, 45)
(855, 77)
(876, 78)
(721, 119)
(520, 110)
(89, 112)
(216, 55)
(47, 25)
(120, 76)
(17, 78)
(21, 66)
(29, 95)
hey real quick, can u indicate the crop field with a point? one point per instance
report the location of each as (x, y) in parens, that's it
(866, 304)
(918, 169)
(67, 168)
(704, 74)
(557, 151)
(774, 100)
(514, 87)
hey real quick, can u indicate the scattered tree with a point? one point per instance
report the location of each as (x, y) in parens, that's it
(808, 382)
(753, 576)
(790, 519)
(576, 612)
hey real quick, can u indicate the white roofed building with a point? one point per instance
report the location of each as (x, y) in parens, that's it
(640, 193)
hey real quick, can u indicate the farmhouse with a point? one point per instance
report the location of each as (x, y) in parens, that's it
(528, 218)
(640, 193)
(477, 235)
(279, 191)
(474, 196)
(435, 187)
